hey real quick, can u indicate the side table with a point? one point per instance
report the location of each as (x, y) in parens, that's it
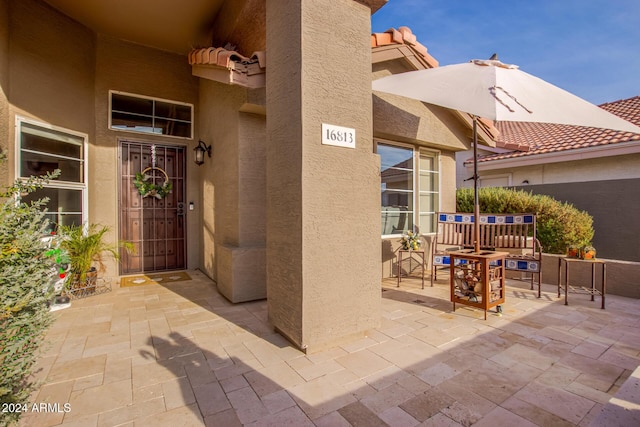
(422, 264)
(593, 290)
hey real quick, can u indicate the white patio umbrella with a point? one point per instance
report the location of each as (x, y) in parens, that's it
(501, 92)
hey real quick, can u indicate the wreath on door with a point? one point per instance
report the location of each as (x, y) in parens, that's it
(146, 184)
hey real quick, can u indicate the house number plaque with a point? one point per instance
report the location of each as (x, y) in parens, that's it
(338, 136)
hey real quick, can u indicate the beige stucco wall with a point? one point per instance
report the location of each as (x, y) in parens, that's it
(234, 190)
(60, 73)
(323, 253)
(584, 170)
(51, 67)
(408, 120)
(50, 63)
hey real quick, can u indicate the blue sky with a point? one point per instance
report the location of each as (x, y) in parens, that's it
(590, 48)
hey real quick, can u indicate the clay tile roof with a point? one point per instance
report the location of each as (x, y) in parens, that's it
(403, 36)
(542, 138)
(228, 66)
(224, 58)
(628, 109)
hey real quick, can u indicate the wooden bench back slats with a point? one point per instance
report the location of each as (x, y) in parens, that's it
(510, 231)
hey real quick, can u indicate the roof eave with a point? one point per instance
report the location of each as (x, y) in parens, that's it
(609, 150)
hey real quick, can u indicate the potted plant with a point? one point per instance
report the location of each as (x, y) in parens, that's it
(588, 252)
(573, 251)
(59, 266)
(86, 248)
(410, 241)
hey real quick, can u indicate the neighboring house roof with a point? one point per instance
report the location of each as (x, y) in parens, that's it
(546, 138)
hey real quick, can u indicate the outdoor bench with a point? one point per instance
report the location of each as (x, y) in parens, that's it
(515, 233)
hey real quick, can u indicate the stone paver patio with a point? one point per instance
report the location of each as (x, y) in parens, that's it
(181, 355)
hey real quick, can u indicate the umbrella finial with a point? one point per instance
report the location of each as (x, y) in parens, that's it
(494, 57)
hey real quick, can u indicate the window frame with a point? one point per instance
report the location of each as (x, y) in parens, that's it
(152, 116)
(56, 184)
(417, 151)
(435, 154)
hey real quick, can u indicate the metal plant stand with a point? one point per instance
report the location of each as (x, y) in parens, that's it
(89, 288)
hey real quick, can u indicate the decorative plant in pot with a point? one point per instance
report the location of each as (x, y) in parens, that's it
(87, 249)
(410, 241)
(573, 251)
(59, 259)
(588, 252)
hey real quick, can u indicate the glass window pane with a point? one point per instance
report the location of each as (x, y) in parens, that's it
(399, 157)
(396, 188)
(397, 179)
(173, 128)
(173, 111)
(427, 202)
(132, 122)
(36, 138)
(428, 181)
(427, 163)
(429, 198)
(131, 104)
(44, 150)
(56, 220)
(62, 201)
(398, 199)
(39, 164)
(137, 114)
(427, 223)
(396, 220)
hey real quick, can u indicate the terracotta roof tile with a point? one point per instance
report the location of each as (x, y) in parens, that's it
(407, 35)
(628, 109)
(403, 36)
(228, 66)
(224, 58)
(542, 138)
(381, 39)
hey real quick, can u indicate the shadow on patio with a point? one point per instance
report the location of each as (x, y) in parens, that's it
(181, 354)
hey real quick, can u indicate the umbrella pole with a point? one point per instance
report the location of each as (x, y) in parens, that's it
(476, 203)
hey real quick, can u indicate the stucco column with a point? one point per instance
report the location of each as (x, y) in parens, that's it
(323, 201)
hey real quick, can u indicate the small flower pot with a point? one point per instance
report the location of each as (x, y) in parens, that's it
(573, 251)
(588, 252)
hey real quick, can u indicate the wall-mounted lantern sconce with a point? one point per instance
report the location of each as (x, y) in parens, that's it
(199, 152)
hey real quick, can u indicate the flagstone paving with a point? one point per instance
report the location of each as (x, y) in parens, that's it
(181, 355)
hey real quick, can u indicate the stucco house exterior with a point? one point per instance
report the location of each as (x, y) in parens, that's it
(288, 205)
(596, 170)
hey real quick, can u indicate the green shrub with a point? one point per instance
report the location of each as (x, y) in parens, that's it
(558, 224)
(25, 289)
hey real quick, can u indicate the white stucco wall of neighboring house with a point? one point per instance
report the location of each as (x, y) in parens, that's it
(556, 169)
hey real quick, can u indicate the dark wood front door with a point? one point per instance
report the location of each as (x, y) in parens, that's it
(155, 224)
